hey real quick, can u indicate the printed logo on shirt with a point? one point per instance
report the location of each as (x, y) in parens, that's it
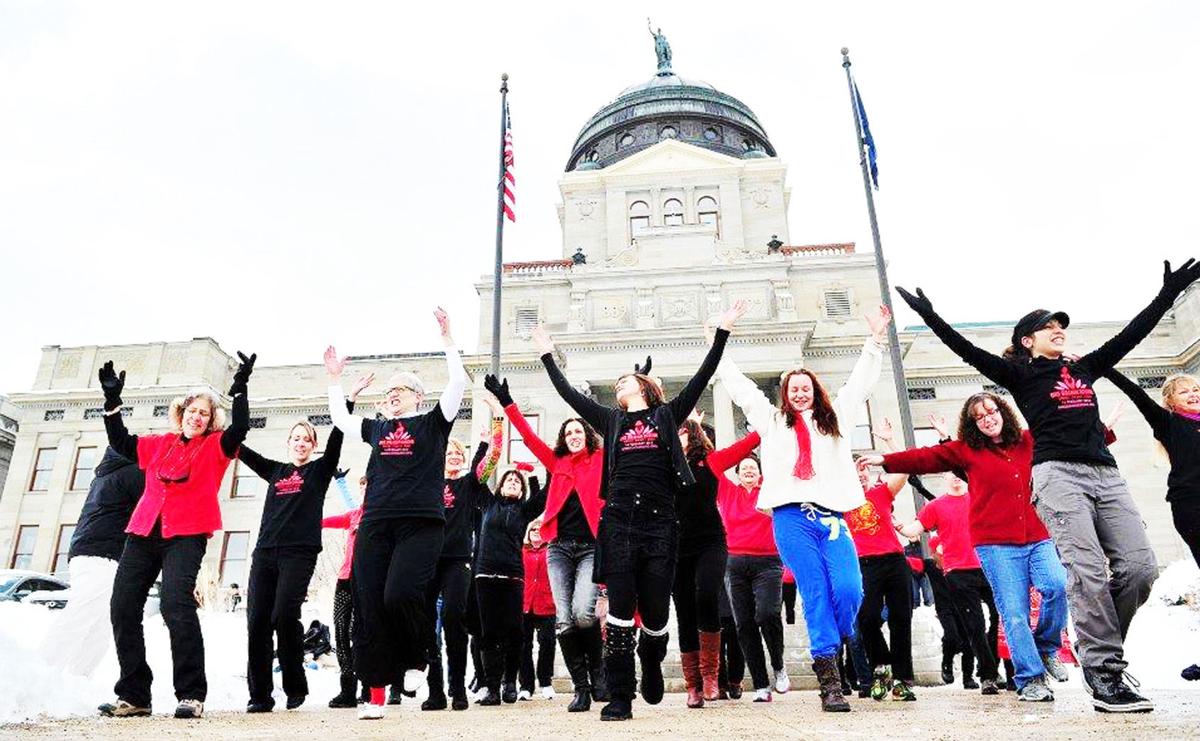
(1071, 393)
(864, 520)
(290, 485)
(399, 442)
(639, 437)
(448, 497)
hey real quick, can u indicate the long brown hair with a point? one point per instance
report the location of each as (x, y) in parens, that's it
(824, 417)
(651, 391)
(968, 428)
(698, 445)
(590, 436)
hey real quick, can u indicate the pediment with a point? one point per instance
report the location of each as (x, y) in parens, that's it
(671, 156)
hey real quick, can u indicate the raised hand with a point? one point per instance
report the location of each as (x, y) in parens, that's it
(498, 389)
(884, 431)
(541, 340)
(340, 473)
(878, 322)
(938, 422)
(443, 320)
(1175, 281)
(918, 303)
(644, 370)
(360, 384)
(866, 461)
(697, 416)
(732, 314)
(112, 385)
(497, 410)
(333, 365)
(242, 375)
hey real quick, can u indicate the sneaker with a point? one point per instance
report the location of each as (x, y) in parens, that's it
(782, 682)
(882, 683)
(120, 709)
(1055, 668)
(1111, 694)
(902, 692)
(1010, 685)
(989, 687)
(413, 679)
(367, 711)
(969, 683)
(189, 709)
(524, 695)
(548, 693)
(1035, 690)
(763, 695)
(735, 691)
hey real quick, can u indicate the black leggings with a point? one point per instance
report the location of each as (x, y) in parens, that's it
(887, 579)
(452, 581)
(394, 560)
(543, 627)
(1186, 514)
(970, 589)
(275, 592)
(500, 602)
(699, 581)
(789, 602)
(755, 585)
(343, 619)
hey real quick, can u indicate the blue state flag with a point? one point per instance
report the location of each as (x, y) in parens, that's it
(867, 138)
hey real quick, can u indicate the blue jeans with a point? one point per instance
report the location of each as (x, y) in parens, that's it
(569, 566)
(816, 546)
(1012, 570)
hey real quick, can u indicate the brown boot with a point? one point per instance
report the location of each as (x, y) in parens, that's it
(710, 663)
(690, 662)
(832, 700)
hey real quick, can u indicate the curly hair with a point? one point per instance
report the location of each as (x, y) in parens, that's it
(216, 422)
(698, 445)
(520, 476)
(824, 417)
(591, 438)
(968, 428)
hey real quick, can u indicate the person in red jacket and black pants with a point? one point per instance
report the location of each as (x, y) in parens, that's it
(168, 532)
(539, 617)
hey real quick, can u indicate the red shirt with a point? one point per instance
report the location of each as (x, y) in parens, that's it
(539, 600)
(185, 497)
(871, 524)
(948, 515)
(575, 472)
(1001, 511)
(748, 532)
(349, 522)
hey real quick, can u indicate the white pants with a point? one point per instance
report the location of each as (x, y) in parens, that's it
(82, 631)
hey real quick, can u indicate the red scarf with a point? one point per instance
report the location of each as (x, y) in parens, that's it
(803, 469)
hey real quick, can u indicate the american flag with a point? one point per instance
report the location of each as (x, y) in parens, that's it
(510, 180)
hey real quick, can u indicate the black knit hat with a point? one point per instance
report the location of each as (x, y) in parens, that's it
(1035, 320)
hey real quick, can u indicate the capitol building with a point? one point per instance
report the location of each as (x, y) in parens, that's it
(673, 204)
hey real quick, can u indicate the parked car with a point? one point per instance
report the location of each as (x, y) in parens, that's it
(18, 585)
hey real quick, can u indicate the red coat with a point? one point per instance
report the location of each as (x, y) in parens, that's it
(579, 472)
(347, 521)
(538, 598)
(1001, 512)
(190, 506)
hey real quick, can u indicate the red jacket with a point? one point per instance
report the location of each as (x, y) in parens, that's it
(1001, 512)
(748, 532)
(579, 472)
(190, 506)
(538, 598)
(347, 521)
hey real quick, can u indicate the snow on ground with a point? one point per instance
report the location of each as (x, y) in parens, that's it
(1165, 635)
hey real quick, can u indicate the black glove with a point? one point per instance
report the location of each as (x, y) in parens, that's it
(112, 384)
(242, 375)
(1175, 281)
(340, 473)
(498, 388)
(535, 487)
(918, 303)
(644, 370)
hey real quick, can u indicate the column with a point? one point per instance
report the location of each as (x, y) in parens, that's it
(723, 416)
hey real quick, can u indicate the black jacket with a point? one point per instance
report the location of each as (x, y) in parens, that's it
(503, 532)
(114, 493)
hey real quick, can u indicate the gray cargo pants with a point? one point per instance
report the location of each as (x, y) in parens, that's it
(1102, 541)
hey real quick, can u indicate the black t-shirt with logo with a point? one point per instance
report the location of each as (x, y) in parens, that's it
(405, 471)
(291, 515)
(461, 498)
(643, 462)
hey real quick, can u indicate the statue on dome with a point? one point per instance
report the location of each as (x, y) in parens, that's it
(662, 49)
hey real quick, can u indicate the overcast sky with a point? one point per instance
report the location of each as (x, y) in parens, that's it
(280, 176)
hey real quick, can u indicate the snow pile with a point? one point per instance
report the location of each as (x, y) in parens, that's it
(1165, 635)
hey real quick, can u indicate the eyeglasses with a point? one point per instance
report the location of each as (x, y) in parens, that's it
(397, 391)
(986, 413)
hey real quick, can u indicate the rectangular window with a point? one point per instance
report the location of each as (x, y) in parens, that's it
(837, 304)
(922, 393)
(525, 320)
(638, 224)
(1151, 382)
(23, 553)
(861, 438)
(320, 420)
(65, 533)
(85, 468)
(516, 443)
(43, 463)
(54, 415)
(233, 558)
(246, 483)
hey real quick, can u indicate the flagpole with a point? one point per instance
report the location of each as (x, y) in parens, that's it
(906, 423)
(499, 267)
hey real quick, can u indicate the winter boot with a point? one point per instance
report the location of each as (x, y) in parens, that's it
(689, 661)
(947, 667)
(620, 642)
(593, 645)
(651, 651)
(437, 694)
(345, 698)
(968, 671)
(710, 664)
(571, 643)
(832, 700)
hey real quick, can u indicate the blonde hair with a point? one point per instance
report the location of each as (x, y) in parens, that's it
(312, 431)
(458, 445)
(1172, 382)
(216, 422)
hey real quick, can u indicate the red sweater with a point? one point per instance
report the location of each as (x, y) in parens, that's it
(187, 507)
(578, 472)
(346, 521)
(539, 600)
(1001, 512)
(871, 524)
(748, 532)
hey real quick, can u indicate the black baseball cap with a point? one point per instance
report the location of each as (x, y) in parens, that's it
(1035, 320)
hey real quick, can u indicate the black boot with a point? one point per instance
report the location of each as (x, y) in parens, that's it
(651, 651)
(968, 671)
(571, 643)
(345, 698)
(947, 666)
(492, 697)
(437, 695)
(395, 694)
(364, 695)
(593, 644)
(1010, 676)
(618, 665)
(509, 693)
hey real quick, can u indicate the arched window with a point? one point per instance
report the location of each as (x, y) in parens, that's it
(673, 212)
(706, 212)
(639, 217)
(626, 140)
(668, 132)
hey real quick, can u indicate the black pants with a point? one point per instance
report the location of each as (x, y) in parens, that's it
(789, 602)
(394, 559)
(887, 579)
(500, 602)
(543, 627)
(1186, 515)
(733, 664)
(278, 584)
(755, 585)
(699, 581)
(179, 560)
(970, 589)
(343, 619)
(452, 581)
